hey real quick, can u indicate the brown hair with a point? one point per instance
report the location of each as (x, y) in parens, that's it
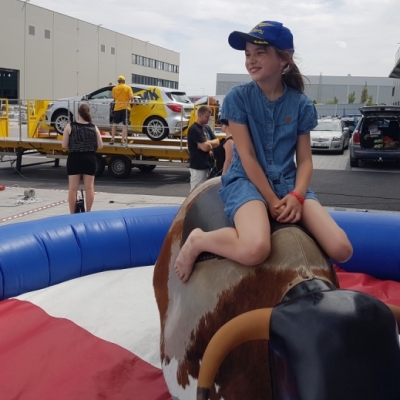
(84, 112)
(291, 74)
(204, 109)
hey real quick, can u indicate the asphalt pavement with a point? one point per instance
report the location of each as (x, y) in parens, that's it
(370, 187)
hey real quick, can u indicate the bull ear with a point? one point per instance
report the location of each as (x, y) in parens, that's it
(396, 313)
(252, 325)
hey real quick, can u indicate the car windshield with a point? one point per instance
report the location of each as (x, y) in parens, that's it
(179, 97)
(327, 126)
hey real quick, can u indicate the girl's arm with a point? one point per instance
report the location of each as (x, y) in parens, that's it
(99, 138)
(304, 164)
(255, 173)
(228, 146)
(293, 210)
(65, 139)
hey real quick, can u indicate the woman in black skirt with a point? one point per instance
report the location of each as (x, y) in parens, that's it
(82, 139)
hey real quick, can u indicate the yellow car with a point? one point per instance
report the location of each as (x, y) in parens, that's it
(156, 111)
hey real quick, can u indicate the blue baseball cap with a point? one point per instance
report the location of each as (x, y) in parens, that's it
(265, 33)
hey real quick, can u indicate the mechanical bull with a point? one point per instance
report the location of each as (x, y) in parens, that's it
(300, 336)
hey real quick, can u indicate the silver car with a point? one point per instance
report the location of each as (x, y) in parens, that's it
(330, 135)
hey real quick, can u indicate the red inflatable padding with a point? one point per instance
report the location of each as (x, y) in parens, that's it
(386, 291)
(43, 357)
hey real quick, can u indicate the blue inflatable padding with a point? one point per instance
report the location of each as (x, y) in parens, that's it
(153, 236)
(41, 253)
(376, 242)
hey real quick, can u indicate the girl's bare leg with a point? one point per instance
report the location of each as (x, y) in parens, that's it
(326, 232)
(249, 243)
(88, 181)
(73, 183)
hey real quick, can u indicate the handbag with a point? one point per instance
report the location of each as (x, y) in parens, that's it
(80, 203)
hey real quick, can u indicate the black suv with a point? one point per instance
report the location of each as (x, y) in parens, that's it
(377, 134)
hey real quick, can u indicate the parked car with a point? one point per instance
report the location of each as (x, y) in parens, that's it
(156, 111)
(351, 121)
(330, 135)
(377, 134)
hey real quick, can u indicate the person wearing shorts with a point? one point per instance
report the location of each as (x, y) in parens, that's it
(82, 139)
(122, 95)
(270, 119)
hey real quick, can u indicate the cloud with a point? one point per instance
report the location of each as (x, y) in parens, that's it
(342, 45)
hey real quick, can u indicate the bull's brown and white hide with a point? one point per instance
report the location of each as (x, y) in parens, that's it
(219, 290)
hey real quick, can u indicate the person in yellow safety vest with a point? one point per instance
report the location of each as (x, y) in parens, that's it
(122, 95)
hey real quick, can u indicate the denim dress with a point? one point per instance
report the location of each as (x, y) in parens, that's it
(274, 127)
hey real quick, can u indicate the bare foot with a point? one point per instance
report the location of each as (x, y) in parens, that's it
(187, 256)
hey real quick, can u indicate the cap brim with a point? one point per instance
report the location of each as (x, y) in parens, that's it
(238, 40)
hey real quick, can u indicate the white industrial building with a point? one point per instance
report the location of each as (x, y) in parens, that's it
(48, 55)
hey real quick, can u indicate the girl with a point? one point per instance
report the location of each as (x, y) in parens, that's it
(82, 139)
(270, 120)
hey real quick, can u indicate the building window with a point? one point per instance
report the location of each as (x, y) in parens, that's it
(113, 51)
(31, 30)
(151, 63)
(149, 80)
(103, 48)
(46, 34)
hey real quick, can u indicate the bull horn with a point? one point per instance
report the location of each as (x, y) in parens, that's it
(252, 325)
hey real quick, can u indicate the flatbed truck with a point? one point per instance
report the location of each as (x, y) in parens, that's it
(141, 152)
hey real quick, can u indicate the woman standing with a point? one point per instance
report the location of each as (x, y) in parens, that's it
(82, 139)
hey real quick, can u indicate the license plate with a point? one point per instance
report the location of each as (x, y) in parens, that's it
(319, 145)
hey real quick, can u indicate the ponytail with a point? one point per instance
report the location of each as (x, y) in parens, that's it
(293, 78)
(291, 74)
(84, 112)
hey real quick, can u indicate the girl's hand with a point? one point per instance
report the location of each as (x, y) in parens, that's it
(292, 211)
(275, 208)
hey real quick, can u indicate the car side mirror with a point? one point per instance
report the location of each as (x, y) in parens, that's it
(85, 98)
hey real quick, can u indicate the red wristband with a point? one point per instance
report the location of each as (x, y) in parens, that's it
(298, 197)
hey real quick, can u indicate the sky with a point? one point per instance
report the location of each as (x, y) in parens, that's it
(331, 37)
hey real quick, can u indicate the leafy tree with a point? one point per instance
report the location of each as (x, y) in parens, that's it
(351, 98)
(370, 101)
(364, 94)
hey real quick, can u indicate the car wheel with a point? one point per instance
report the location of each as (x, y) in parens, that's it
(101, 164)
(354, 162)
(119, 167)
(156, 128)
(60, 121)
(145, 167)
